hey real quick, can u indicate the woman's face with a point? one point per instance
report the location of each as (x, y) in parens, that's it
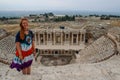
(25, 24)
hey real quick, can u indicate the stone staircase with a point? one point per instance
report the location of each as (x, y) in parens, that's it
(7, 48)
(102, 49)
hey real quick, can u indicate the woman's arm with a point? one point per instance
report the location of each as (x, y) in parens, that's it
(19, 50)
(34, 50)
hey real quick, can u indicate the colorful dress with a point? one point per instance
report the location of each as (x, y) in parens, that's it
(27, 52)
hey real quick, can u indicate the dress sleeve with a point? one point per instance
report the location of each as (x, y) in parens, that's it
(32, 35)
(17, 37)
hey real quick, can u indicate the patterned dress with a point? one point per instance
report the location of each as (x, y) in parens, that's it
(27, 52)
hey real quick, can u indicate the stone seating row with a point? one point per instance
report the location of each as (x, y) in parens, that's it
(98, 50)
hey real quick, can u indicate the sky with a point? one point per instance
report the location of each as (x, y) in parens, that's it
(82, 5)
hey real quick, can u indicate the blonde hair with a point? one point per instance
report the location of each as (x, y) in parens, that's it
(22, 35)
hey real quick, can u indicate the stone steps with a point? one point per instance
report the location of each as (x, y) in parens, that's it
(7, 47)
(97, 51)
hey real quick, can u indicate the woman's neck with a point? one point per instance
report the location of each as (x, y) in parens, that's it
(26, 32)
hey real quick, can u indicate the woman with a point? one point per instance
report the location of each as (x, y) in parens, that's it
(25, 49)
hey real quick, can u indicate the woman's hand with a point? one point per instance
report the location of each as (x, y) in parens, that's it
(34, 53)
(19, 50)
(21, 57)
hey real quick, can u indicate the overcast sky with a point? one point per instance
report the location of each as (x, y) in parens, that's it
(30, 5)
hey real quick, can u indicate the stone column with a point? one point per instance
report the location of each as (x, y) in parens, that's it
(77, 38)
(50, 39)
(44, 38)
(38, 38)
(52, 34)
(47, 37)
(69, 39)
(84, 37)
(61, 37)
(54, 38)
(80, 37)
(65, 38)
(72, 39)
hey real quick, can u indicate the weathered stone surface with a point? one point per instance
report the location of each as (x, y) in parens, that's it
(7, 48)
(107, 70)
(2, 33)
(101, 49)
(82, 70)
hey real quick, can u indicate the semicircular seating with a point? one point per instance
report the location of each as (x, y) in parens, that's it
(7, 47)
(99, 50)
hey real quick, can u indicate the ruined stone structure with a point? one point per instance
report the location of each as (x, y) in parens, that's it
(7, 49)
(102, 49)
(3, 33)
(58, 44)
(114, 34)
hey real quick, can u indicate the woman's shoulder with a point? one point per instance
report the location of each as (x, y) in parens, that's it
(18, 33)
(17, 37)
(31, 32)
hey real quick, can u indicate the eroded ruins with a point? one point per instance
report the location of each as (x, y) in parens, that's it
(61, 46)
(58, 46)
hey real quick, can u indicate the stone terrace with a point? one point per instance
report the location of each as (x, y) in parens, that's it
(101, 49)
(7, 47)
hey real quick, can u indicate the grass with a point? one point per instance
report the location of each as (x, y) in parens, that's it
(115, 23)
(15, 27)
